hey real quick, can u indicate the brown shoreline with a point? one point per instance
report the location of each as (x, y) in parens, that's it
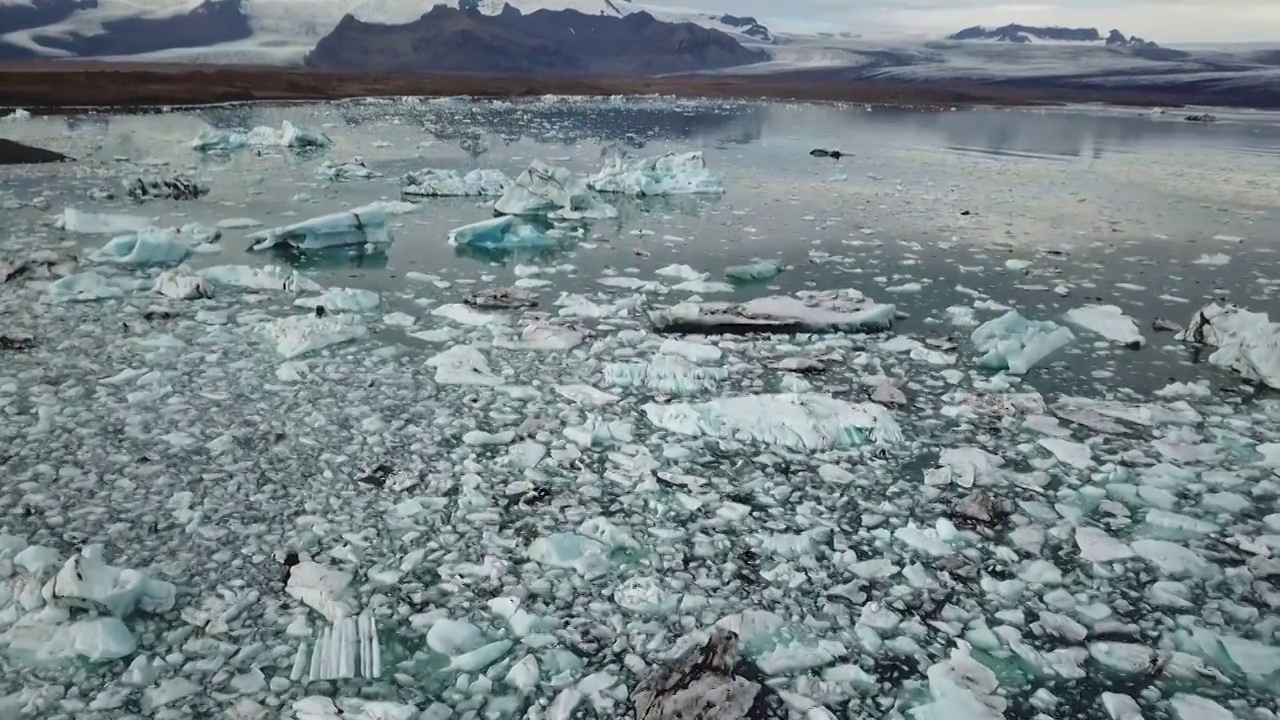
(51, 86)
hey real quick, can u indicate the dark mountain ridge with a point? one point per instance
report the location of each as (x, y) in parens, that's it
(557, 42)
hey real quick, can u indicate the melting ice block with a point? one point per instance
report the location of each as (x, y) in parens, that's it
(548, 191)
(87, 223)
(355, 300)
(670, 174)
(797, 421)
(1108, 321)
(507, 231)
(1011, 342)
(90, 581)
(83, 287)
(146, 247)
(300, 334)
(360, 226)
(448, 183)
(1246, 342)
(48, 636)
(827, 311)
(288, 136)
(463, 365)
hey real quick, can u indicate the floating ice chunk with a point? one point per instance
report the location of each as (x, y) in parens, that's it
(963, 467)
(322, 589)
(585, 395)
(1108, 321)
(1099, 547)
(1216, 259)
(270, 277)
(930, 541)
(681, 272)
(342, 300)
(1194, 707)
(47, 636)
(1170, 558)
(1011, 342)
(543, 190)
(596, 432)
(795, 656)
(318, 707)
(524, 675)
(448, 183)
(572, 551)
(506, 231)
(17, 115)
(762, 270)
(170, 690)
(670, 174)
(399, 319)
(1094, 413)
(1077, 455)
(542, 336)
(1189, 391)
(667, 374)
(454, 637)
(463, 365)
(826, 311)
(301, 334)
(1252, 657)
(182, 285)
(83, 287)
(694, 352)
(961, 688)
(1246, 342)
(646, 596)
(87, 579)
(797, 421)
(338, 172)
(482, 657)
(88, 223)
(288, 136)
(146, 247)
(359, 226)
(1121, 707)
(464, 315)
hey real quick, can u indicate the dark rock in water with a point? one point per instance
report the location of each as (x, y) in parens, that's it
(833, 154)
(179, 187)
(504, 298)
(377, 477)
(40, 265)
(705, 683)
(11, 342)
(12, 153)
(1203, 118)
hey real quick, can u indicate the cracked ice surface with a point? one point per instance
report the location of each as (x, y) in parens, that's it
(220, 502)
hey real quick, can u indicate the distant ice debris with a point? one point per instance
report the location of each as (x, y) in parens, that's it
(756, 271)
(353, 170)
(507, 231)
(448, 183)
(670, 174)
(1110, 322)
(810, 311)
(809, 422)
(288, 136)
(87, 223)
(360, 226)
(1247, 342)
(1011, 342)
(553, 192)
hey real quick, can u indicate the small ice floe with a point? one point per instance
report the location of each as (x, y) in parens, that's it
(448, 183)
(85, 287)
(753, 272)
(507, 231)
(269, 277)
(1110, 322)
(354, 300)
(1011, 342)
(463, 365)
(338, 172)
(319, 707)
(551, 192)
(365, 225)
(145, 247)
(670, 174)
(1247, 342)
(182, 285)
(178, 187)
(288, 136)
(87, 223)
(798, 421)
(301, 334)
(961, 688)
(964, 467)
(1216, 259)
(844, 310)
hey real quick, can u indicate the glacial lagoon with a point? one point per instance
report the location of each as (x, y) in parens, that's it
(217, 501)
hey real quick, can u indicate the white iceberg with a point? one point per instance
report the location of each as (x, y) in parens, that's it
(318, 707)
(762, 270)
(288, 136)
(798, 421)
(552, 192)
(1108, 321)
(83, 287)
(507, 231)
(17, 115)
(338, 172)
(49, 635)
(448, 183)
(1011, 342)
(826, 311)
(961, 688)
(269, 277)
(1247, 342)
(463, 365)
(182, 285)
(365, 225)
(146, 247)
(87, 580)
(670, 174)
(321, 588)
(301, 334)
(87, 223)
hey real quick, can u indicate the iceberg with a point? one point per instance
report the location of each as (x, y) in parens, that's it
(181, 285)
(826, 311)
(301, 334)
(1108, 321)
(85, 579)
(363, 225)
(809, 422)
(463, 365)
(146, 247)
(667, 374)
(1011, 342)
(506, 232)
(354, 170)
(670, 174)
(552, 192)
(355, 300)
(288, 136)
(1247, 343)
(87, 223)
(270, 277)
(83, 287)
(448, 183)
(762, 270)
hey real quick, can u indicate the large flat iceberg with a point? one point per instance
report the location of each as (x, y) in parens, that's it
(359, 226)
(430, 182)
(288, 136)
(1011, 342)
(670, 174)
(1246, 342)
(797, 421)
(826, 311)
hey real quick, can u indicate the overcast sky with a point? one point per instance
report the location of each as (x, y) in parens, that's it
(1159, 20)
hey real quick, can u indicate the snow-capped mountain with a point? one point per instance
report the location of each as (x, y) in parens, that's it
(260, 31)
